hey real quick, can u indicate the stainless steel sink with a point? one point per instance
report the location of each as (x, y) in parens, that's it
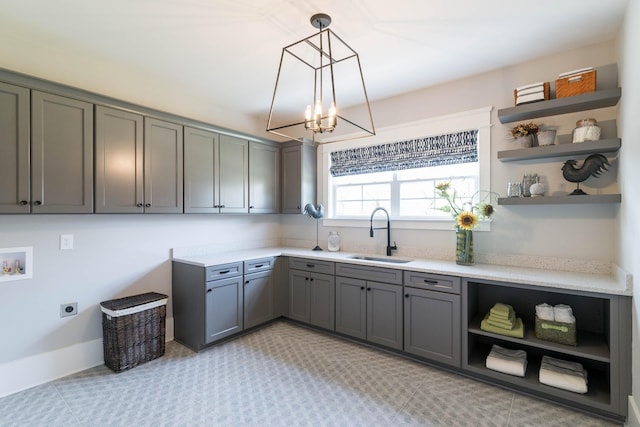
(381, 259)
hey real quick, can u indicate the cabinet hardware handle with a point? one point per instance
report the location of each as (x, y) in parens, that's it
(224, 272)
(369, 289)
(247, 282)
(406, 295)
(250, 207)
(311, 279)
(298, 206)
(259, 265)
(306, 278)
(362, 288)
(221, 206)
(139, 205)
(37, 203)
(148, 205)
(209, 290)
(23, 202)
(311, 266)
(431, 282)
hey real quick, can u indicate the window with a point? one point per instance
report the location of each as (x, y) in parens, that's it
(380, 173)
(407, 187)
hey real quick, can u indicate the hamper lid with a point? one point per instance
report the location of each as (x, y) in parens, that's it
(133, 304)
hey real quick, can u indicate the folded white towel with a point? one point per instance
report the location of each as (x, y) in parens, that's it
(512, 362)
(563, 313)
(511, 367)
(563, 374)
(529, 91)
(545, 312)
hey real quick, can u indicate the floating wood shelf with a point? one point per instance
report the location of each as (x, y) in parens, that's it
(561, 150)
(561, 200)
(552, 107)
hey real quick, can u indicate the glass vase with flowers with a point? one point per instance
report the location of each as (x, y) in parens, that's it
(467, 215)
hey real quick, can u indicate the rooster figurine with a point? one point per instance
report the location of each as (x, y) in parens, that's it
(316, 212)
(594, 165)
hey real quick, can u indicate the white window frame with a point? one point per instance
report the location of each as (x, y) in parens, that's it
(474, 119)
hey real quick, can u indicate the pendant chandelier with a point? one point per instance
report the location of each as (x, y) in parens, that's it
(312, 72)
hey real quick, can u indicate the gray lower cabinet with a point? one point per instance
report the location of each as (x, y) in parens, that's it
(312, 294)
(367, 309)
(139, 163)
(259, 291)
(298, 176)
(207, 302)
(264, 178)
(432, 325)
(51, 172)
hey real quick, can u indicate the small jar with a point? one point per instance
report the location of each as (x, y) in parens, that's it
(333, 241)
(586, 130)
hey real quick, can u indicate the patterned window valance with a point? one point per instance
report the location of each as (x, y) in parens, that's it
(448, 149)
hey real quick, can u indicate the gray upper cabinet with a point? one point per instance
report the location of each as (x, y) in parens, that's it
(51, 170)
(234, 175)
(163, 178)
(119, 161)
(298, 177)
(216, 173)
(138, 163)
(264, 178)
(200, 171)
(15, 175)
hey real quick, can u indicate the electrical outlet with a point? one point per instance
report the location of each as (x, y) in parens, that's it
(69, 309)
(66, 241)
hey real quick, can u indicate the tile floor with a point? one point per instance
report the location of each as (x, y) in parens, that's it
(280, 375)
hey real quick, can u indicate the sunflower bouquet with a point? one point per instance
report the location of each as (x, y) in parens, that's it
(466, 214)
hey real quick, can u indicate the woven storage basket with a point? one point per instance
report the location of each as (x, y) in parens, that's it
(562, 333)
(576, 85)
(133, 329)
(547, 95)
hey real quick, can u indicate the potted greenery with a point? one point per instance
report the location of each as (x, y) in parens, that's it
(524, 133)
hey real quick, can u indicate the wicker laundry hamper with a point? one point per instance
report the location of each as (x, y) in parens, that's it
(133, 330)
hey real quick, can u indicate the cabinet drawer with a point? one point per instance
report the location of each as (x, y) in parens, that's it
(221, 271)
(316, 266)
(256, 265)
(430, 281)
(365, 272)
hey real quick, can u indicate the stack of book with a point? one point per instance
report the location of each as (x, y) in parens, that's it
(531, 93)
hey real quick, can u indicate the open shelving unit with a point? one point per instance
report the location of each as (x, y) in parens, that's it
(603, 342)
(561, 200)
(561, 150)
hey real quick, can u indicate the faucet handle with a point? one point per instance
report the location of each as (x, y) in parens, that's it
(395, 246)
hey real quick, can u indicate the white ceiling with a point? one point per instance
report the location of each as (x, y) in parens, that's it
(225, 53)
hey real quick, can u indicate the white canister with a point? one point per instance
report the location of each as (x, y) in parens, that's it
(333, 241)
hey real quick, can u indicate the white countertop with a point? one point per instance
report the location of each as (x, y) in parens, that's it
(617, 284)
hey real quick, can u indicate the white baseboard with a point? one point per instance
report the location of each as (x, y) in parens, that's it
(31, 371)
(633, 418)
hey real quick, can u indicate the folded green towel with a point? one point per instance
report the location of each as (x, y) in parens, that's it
(516, 332)
(501, 323)
(503, 311)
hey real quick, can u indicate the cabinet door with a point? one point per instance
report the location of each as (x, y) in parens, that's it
(14, 149)
(432, 325)
(200, 171)
(258, 299)
(223, 308)
(384, 314)
(264, 178)
(119, 163)
(351, 307)
(162, 167)
(299, 295)
(322, 304)
(292, 180)
(234, 175)
(61, 154)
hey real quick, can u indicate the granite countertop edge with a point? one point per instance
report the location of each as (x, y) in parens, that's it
(615, 284)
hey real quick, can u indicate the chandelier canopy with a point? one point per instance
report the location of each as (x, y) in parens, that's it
(322, 73)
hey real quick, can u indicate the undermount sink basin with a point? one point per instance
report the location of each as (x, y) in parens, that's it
(381, 259)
